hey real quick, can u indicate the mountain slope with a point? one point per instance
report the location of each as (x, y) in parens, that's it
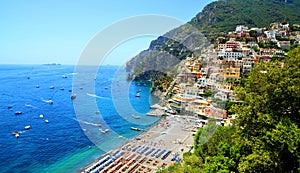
(223, 16)
(220, 16)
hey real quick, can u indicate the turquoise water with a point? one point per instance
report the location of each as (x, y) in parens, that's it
(72, 138)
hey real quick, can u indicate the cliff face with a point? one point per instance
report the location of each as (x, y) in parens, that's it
(167, 51)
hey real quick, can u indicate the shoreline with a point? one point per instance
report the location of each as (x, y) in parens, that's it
(165, 135)
(119, 147)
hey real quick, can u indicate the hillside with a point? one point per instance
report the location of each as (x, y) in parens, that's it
(216, 18)
(223, 16)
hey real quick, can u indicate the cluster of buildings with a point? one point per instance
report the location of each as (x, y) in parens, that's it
(206, 82)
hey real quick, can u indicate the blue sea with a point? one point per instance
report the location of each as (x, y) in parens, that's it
(74, 135)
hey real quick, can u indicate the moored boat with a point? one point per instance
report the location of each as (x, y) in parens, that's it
(136, 129)
(46, 121)
(73, 96)
(138, 94)
(18, 113)
(102, 131)
(135, 117)
(27, 127)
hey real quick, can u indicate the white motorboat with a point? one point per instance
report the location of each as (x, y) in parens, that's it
(135, 117)
(27, 127)
(17, 134)
(50, 102)
(18, 113)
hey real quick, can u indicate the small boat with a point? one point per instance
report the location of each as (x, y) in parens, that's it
(18, 113)
(70, 90)
(138, 94)
(27, 127)
(41, 116)
(98, 125)
(136, 129)
(64, 76)
(46, 121)
(9, 107)
(50, 102)
(106, 130)
(62, 89)
(37, 86)
(73, 96)
(51, 87)
(97, 112)
(17, 134)
(120, 137)
(139, 91)
(135, 117)
(102, 131)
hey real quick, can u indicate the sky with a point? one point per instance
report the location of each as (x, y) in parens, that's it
(55, 31)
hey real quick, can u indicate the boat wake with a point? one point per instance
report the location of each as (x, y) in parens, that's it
(94, 95)
(48, 101)
(89, 123)
(72, 74)
(23, 131)
(29, 105)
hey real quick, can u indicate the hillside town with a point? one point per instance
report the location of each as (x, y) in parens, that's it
(203, 90)
(205, 85)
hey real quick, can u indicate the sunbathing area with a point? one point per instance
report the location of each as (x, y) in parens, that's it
(160, 146)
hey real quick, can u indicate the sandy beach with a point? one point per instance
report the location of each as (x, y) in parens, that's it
(160, 146)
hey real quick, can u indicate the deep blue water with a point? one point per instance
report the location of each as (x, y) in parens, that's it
(72, 138)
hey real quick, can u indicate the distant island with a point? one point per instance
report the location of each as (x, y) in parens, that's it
(52, 64)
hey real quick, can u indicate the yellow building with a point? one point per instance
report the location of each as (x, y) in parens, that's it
(229, 73)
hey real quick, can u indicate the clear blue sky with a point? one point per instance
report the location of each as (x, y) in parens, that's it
(37, 32)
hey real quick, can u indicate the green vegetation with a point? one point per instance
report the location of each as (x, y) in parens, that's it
(265, 136)
(223, 16)
(270, 45)
(208, 93)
